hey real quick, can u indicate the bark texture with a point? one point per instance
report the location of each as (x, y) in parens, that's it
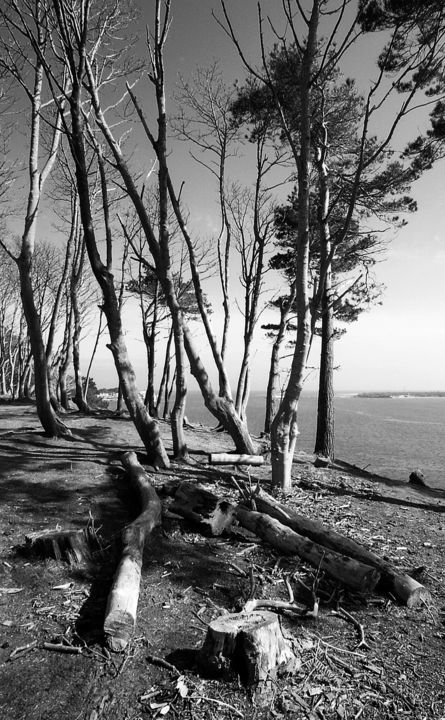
(358, 576)
(251, 645)
(120, 616)
(403, 587)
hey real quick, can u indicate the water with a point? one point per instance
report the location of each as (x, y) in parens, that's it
(388, 436)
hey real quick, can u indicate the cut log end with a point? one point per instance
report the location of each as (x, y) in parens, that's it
(409, 591)
(118, 630)
(249, 644)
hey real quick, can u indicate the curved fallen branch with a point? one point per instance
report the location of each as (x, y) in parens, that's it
(120, 616)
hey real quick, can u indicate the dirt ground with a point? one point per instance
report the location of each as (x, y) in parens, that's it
(188, 579)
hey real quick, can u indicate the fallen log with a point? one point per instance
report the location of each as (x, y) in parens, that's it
(73, 546)
(402, 586)
(212, 514)
(356, 575)
(120, 616)
(235, 459)
(250, 644)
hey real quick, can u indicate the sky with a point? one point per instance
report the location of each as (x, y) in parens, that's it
(398, 345)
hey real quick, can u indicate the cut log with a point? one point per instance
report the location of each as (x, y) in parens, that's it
(251, 645)
(195, 503)
(73, 546)
(120, 616)
(352, 573)
(234, 459)
(402, 586)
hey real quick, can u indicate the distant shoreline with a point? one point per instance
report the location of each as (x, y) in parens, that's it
(386, 395)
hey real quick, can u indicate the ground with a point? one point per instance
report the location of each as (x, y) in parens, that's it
(188, 579)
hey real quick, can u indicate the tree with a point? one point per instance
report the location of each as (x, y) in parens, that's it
(253, 228)
(222, 406)
(23, 62)
(74, 56)
(317, 60)
(205, 120)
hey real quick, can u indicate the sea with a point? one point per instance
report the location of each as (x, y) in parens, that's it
(389, 436)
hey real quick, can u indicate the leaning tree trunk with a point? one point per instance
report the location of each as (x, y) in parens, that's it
(50, 422)
(165, 378)
(48, 418)
(222, 408)
(147, 428)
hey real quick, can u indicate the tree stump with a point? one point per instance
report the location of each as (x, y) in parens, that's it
(73, 546)
(249, 644)
(195, 503)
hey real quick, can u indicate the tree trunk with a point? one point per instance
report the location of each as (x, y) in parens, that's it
(284, 427)
(358, 576)
(324, 443)
(93, 354)
(403, 587)
(251, 645)
(78, 398)
(120, 615)
(222, 408)
(147, 428)
(274, 369)
(165, 374)
(48, 418)
(120, 405)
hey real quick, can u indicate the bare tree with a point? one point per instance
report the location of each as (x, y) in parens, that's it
(23, 61)
(222, 406)
(79, 37)
(206, 121)
(252, 217)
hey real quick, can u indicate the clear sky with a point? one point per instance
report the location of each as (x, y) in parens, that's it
(399, 345)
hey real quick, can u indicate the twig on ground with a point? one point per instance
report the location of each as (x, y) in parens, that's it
(361, 630)
(252, 583)
(221, 704)
(276, 604)
(289, 589)
(238, 569)
(60, 647)
(22, 650)
(155, 660)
